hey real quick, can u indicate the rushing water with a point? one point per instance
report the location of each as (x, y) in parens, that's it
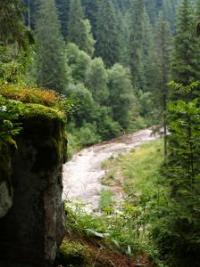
(82, 174)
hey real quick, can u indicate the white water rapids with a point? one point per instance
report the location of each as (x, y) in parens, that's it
(82, 174)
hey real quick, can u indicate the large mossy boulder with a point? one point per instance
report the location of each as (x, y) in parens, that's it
(31, 208)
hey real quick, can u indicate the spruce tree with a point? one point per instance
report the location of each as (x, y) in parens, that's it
(91, 11)
(136, 39)
(63, 13)
(107, 37)
(50, 58)
(186, 53)
(79, 28)
(12, 28)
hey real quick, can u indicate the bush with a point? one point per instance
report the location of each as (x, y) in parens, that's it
(87, 135)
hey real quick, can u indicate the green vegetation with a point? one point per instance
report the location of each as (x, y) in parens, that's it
(126, 227)
(18, 103)
(110, 63)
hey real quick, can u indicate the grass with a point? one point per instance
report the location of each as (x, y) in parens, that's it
(137, 171)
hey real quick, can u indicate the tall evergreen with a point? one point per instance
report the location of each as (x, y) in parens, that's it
(79, 28)
(107, 37)
(136, 39)
(51, 64)
(186, 53)
(91, 10)
(12, 27)
(63, 13)
(149, 68)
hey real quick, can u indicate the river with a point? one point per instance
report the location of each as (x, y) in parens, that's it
(83, 173)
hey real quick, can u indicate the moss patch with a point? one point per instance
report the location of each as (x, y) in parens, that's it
(73, 253)
(29, 95)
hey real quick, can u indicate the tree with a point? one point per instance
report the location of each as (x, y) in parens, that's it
(136, 39)
(63, 13)
(12, 28)
(107, 37)
(121, 95)
(163, 40)
(79, 63)
(79, 28)
(97, 80)
(50, 57)
(91, 11)
(180, 217)
(185, 68)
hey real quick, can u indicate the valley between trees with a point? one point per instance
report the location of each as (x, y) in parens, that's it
(84, 72)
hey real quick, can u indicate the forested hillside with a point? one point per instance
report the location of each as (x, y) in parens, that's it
(109, 57)
(116, 66)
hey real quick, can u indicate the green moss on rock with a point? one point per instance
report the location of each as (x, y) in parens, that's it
(72, 253)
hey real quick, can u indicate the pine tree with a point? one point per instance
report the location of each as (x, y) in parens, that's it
(136, 39)
(107, 38)
(12, 28)
(91, 11)
(186, 53)
(79, 28)
(149, 68)
(63, 13)
(51, 63)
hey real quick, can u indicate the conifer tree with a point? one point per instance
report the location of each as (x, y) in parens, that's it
(63, 13)
(91, 11)
(107, 38)
(136, 39)
(186, 53)
(51, 63)
(12, 28)
(80, 29)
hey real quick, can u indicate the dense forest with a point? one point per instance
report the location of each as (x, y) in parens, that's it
(103, 55)
(118, 66)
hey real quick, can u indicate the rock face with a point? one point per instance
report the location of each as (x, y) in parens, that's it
(31, 209)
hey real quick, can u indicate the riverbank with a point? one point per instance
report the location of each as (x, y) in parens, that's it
(83, 173)
(125, 231)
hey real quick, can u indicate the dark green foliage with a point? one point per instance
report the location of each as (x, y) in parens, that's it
(186, 54)
(51, 63)
(63, 14)
(79, 29)
(107, 37)
(177, 234)
(121, 95)
(97, 80)
(136, 38)
(78, 62)
(11, 20)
